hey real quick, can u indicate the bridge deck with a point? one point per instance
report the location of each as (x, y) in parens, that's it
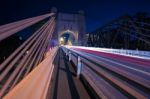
(65, 85)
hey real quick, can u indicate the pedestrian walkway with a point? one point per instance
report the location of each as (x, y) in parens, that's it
(65, 84)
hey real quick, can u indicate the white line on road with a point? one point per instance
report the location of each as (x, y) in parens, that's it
(141, 71)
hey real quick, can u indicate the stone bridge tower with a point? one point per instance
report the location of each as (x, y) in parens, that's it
(70, 29)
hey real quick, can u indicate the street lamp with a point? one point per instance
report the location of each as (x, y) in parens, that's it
(61, 40)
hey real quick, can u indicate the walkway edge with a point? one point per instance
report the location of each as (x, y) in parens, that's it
(37, 81)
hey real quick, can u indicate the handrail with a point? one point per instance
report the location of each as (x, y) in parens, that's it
(19, 60)
(100, 68)
(132, 53)
(35, 85)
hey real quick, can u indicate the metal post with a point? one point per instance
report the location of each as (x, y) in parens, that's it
(66, 52)
(79, 66)
(69, 56)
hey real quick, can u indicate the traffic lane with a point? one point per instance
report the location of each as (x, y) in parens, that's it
(100, 85)
(123, 84)
(140, 78)
(134, 65)
(105, 55)
(142, 62)
(118, 64)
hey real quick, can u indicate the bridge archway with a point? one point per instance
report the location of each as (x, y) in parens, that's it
(75, 24)
(68, 38)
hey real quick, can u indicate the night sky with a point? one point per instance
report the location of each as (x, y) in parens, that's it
(98, 12)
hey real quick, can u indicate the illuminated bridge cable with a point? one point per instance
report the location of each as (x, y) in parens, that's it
(8, 31)
(11, 25)
(51, 31)
(37, 33)
(25, 47)
(15, 72)
(44, 47)
(30, 57)
(34, 59)
(31, 54)
(22, 23)
(31, 62)
(42, 51)
(13, 63)
(31, 45)
(17, 25)
(4, 87)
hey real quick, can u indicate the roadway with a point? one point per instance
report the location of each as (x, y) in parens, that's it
(65, 84)
(131, 75)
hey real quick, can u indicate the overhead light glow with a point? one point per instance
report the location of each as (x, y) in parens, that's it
(61, 39)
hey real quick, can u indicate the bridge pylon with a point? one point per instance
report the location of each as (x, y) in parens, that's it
(70, 29)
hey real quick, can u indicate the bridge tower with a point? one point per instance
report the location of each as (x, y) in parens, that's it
(70, 29)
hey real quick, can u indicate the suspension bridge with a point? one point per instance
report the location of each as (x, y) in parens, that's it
(61, 61)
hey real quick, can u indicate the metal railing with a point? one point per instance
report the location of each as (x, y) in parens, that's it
(132, 53)
(105, 79)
